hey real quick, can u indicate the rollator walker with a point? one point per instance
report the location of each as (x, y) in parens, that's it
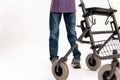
(102, 50)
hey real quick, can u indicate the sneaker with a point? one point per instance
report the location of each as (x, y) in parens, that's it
(53, 60)
(76, 63)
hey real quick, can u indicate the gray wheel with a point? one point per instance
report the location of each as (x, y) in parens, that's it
(93, 63)
(104, 72)
(62, 72)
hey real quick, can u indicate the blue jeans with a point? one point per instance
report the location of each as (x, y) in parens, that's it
(70, 22)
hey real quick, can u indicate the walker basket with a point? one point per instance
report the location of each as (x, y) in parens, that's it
(106, 49)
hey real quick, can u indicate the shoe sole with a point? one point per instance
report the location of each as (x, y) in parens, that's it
(76, 67)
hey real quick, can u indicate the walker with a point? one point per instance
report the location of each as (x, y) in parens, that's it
(102, 50)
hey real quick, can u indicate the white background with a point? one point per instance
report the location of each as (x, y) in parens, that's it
(24, 40)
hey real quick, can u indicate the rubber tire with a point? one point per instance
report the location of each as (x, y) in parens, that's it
(96, 66)
(64, 68)
(105, 68)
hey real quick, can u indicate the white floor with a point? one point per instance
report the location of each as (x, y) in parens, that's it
(31, 62)
(24, 42)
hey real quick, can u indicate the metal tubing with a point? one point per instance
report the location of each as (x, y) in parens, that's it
(116, 26)
(70, 50)
(63, 59)
(102, 32)
(113, 68)
(88, 27)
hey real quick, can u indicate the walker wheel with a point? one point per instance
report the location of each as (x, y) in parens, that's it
(62, 72)
(104, 72)
(93, 63)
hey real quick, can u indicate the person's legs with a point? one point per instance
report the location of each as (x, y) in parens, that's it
(70, 21)
(54, 22)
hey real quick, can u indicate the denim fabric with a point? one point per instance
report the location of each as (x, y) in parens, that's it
(70, 22)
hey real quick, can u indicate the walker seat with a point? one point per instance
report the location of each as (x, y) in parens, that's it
(99, 11)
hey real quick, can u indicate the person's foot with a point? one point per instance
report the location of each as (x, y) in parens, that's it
(53, 60)
(76, 63)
